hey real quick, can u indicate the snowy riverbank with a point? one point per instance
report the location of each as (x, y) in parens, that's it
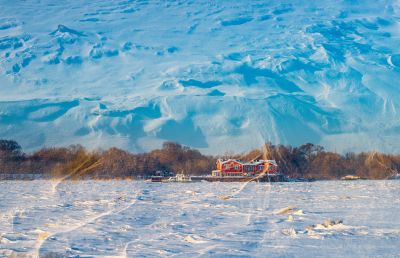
(128, 218)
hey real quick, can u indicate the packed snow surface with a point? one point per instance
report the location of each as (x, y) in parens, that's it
(139, 219)
(214, 75)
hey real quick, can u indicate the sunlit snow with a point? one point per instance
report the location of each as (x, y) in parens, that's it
(139, 219)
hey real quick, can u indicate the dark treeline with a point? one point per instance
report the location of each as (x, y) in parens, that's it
(306, 161)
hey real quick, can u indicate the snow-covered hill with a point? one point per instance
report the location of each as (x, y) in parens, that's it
(215, 75)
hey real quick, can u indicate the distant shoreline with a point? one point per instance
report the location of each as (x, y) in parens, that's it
(32, 177)
(307, 161)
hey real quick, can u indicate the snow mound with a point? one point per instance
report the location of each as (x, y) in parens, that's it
(223, 76)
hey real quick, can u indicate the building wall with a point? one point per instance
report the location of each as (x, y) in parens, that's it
(234, 168)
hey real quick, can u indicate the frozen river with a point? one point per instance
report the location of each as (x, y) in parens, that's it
(129, 219)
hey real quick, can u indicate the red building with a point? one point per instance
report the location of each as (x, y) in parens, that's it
(233, 167)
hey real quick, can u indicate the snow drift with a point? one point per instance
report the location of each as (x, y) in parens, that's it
(214, 76)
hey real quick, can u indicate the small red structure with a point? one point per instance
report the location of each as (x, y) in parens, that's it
(233, 167)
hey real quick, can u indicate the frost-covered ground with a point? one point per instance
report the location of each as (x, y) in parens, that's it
(126, 218)
(229, 74)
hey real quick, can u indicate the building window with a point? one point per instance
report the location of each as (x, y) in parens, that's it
(237, 167)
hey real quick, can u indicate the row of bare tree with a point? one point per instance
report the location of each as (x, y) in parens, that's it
(307, 161)
(312, 161)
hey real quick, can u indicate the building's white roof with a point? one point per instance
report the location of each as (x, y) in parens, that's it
(253, 163)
